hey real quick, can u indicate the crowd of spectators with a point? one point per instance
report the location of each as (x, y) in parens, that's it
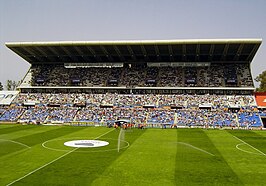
(166, 109)
(179, 117)
(65, 114)
(181, 110)
(156, 100)
(12, 113)
(38, 113)
(171, 77)
(244, 76)
(215, 75)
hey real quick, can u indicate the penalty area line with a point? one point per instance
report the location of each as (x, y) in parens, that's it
(237, 146)
(199, 149)
(249, 145)
(49, 163)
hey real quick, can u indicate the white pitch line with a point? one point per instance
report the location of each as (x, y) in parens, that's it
(237, 146)
(16, 142)
(41, 167)
(119, 139)
(104, 134)
(61, 150)
(50, 162)
(196, 148)
(250, 145)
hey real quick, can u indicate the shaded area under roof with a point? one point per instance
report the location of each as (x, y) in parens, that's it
(203, 50)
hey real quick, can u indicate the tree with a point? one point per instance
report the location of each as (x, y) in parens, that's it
(12, 85)
(262, 79)
(1, 86)
(9, 84)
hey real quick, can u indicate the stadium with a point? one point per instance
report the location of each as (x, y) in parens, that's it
(203, 123)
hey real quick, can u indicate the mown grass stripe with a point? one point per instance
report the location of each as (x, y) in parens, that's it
(252, 138)
(249, 168)
(34, 139)
(23, 133)
(154, 157)
(80, 168)
(197, 168)
(148, 161)
(12, 141)
(38, 138)
(250, 146)
(199, 149)
(262, 133)
(49, 163)
(3, 125)
(15, 128)
(20, 162)
(40, 167)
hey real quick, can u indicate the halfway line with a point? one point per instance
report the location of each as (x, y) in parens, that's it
(50, 162)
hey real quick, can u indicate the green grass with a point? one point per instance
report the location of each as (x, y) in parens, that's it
(153, 157)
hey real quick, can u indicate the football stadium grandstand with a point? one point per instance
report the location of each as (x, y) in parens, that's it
(172, 83)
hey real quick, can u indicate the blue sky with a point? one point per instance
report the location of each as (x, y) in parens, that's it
(70, 20)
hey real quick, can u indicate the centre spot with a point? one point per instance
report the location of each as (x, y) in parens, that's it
(86, 143)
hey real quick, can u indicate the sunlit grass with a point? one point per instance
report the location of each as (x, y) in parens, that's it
(145, 157)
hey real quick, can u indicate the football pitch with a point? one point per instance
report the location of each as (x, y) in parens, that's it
(37, 155)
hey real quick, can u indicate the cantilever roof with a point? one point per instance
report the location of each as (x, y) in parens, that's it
(201, 50)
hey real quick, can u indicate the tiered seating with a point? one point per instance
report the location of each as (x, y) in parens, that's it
(215, 76)
(186, 110)
(244, 76)
(249, 119)
(65, 114)
(12, 114)
(35, 114)
(190, 76)
(230, 76)
(171, 76)
(133, 77)
(226, 75)
(2, 110)
(220, 101)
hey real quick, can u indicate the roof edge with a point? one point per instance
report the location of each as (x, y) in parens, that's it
(135, 42)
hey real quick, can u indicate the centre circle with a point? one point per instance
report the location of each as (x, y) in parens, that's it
(86, 143)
